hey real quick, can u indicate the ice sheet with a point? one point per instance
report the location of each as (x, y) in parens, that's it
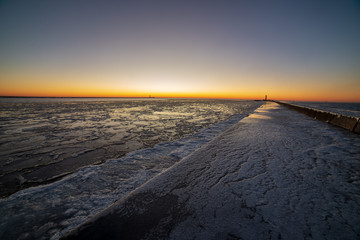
(48, 212)
(44, 139)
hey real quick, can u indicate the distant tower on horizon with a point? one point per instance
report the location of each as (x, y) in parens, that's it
(265, 98)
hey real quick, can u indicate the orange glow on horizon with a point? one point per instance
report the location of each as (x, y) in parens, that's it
(181, 50)
(197, 87)
(215, 95)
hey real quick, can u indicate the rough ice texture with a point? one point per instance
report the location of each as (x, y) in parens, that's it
(276, 174)
(50, 211)
(42, 140)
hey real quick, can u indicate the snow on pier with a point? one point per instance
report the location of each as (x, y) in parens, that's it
(276, 174)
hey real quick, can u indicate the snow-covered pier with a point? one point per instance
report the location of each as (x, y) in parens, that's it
(276, 174)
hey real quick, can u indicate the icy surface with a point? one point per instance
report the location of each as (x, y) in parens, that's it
(277, 174)
(47, 138)
(347, 109)
(49, 211)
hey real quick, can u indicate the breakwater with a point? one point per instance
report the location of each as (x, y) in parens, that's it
(256, 180)
(343, 121)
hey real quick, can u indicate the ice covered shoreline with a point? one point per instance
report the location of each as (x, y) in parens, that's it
(43, 140)
(50, 211)
(275, 174)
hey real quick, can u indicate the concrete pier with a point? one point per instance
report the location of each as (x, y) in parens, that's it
(346, 122)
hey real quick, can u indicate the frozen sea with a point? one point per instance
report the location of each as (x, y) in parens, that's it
(44, 139)
(91, 152)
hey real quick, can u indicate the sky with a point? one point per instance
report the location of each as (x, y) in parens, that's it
(287, 49)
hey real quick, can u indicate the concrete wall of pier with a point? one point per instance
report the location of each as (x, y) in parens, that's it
(346, 122)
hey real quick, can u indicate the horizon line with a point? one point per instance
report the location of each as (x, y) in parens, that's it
(152, 97)
(149, 97)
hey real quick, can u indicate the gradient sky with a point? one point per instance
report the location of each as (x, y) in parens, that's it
(289, 50)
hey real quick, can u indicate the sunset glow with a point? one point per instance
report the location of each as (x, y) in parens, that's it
(289, 50)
